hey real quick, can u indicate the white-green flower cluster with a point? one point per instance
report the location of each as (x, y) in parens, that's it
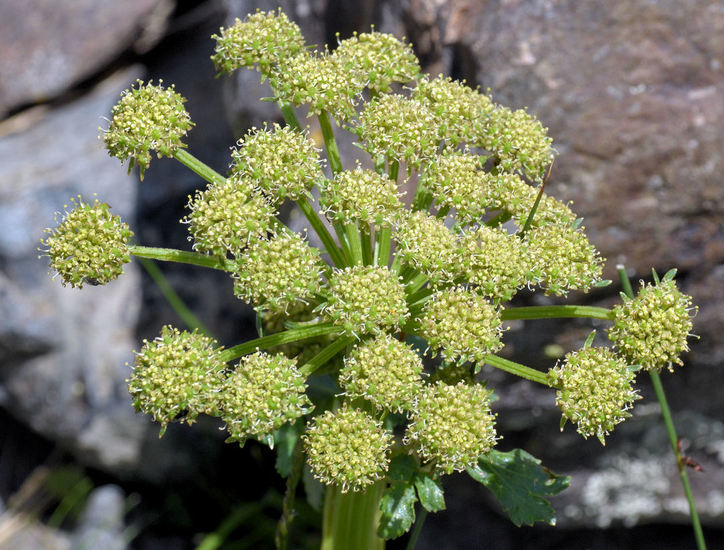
(427, 241)
(178, 374)
(651, 330)
(147, 118)
(89, 246)
(262, 394)
(595, 390)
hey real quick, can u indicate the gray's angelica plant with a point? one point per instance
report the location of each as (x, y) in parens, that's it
(438, 267)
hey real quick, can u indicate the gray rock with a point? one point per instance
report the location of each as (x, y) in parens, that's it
(47, 48)
(102, 522)
(63, 352)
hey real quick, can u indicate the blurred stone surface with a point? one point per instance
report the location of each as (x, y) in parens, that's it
(102, 522)
(48, 47)
(63, 351)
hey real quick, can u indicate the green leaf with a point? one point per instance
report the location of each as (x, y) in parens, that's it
(402, 468)
(430, 493)
(669, 275)
(313, 488)
(589, 340)
(398, 509)
(285, 438)
(520, 484)
(602, 283)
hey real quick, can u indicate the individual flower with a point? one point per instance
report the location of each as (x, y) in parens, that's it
(518, 140)
(452, 426)
(262, 39)
(595, 390)
(282, 161)
(361, 196)
(561, 259)
(384, 371)
(651, 330)
(89, 245)
(382, 58)
(461, 325)
(177, 375)
(426, 244)
(462, 111)
(263, 393)
(226, 217)
(493, 261)
(147, 118)
(399, 129)
(456, 180)
(347, 448)
(324, 82)
(278, 272)
(366, 300)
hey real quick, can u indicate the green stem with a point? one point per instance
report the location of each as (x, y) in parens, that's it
(383, 246)
(517, 369)
(367, 253)
(335, 162)
(277, 339)
(355, 242)
(671, 430)
(290, 117)
(174, 300)
(394, 170)
(416, 283)
(350, 519)
(442, 213)
(282, 534)
(326, 354)
(182, 256)
(340, 230)
(321, 230)
(556, 312)
(198, 167)
(422, 514)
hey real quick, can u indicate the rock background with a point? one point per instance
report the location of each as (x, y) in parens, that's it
(632, 94)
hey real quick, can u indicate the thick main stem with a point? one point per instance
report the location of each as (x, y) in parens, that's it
(350, 519)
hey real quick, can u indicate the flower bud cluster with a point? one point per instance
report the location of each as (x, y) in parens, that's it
(89, 246)
(382, 58)
(462, 111)
(260, 395)
(651, 330)
(147, 118)
(178, 374)
(280, 160)
(366, 300)
(561, 259)
(456, 180)
(263, 40)
(398, 128)
(429, 246)
(326, 83)
(278, 272)
(452, 426)
(519, 141)
(361, 196)
(461, 325)
(347, 448)
(494, 262)
(227, 217)
(384, 371)
(595, 390)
